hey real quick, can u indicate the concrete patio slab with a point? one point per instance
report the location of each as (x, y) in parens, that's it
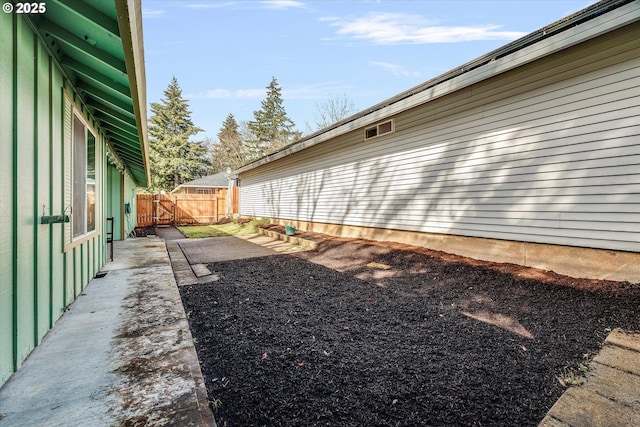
(121, 355)
(225, 248)
(191, 257)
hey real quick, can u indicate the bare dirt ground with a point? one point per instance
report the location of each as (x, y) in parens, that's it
(358, 333)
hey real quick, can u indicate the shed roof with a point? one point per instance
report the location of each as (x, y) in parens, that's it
(564, 33)
(218, 180)
(99, 47)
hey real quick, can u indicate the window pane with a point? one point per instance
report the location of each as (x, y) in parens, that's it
(385, 127)
(371, 132)
(79, 177)
(91, 182)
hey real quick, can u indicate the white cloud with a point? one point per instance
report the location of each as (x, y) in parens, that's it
(282, 4)
(301, 92)
(228, 94)
(395, 69)
(265, 4)
(152, 13)
(210, 5)
(399, 28)
(249, 93)
(314, 91)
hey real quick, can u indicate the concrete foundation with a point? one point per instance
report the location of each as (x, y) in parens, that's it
(567, 260)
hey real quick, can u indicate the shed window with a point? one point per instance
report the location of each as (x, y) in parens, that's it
(379, 129)
(84, 179)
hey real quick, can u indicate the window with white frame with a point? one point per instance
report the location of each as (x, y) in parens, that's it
(379, 129)
(83, 210)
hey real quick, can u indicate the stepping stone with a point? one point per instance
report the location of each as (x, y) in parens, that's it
(200, 270)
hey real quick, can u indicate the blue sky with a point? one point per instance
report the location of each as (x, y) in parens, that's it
(224, 53)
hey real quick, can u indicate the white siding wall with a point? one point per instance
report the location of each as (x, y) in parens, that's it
(548, 153)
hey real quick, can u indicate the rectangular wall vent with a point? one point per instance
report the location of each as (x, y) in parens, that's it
(379, 129)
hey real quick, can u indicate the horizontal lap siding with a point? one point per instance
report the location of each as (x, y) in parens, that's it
(548, 153)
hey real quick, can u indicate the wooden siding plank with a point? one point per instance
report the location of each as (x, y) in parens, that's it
(70, 277)
(57, 197)
(24, 185)
(42, 201)
(6, 196)
(77, 270)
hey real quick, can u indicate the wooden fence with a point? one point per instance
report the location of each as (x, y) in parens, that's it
(180, 209)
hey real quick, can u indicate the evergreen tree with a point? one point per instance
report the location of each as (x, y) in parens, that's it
(272, 129)
(229, 151)
(173, 158)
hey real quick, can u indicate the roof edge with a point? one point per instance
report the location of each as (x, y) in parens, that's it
(130, 23)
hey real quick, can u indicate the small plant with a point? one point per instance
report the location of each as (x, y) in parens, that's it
(227, 227)
(216, 404)
(257, 222)
(568, 377)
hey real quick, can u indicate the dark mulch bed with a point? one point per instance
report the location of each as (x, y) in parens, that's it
(434, 340)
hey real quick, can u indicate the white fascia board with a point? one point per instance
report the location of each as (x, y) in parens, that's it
(129, 15)
(595, 27)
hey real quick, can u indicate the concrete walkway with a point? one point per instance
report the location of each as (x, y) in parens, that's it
(610, 396)
(190, 258)
(121, 355)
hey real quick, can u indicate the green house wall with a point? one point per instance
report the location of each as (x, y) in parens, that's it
(130, 191)
(6, 197)
(114, 200)
(41, 270)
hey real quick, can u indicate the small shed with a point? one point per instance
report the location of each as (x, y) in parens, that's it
(216, 184)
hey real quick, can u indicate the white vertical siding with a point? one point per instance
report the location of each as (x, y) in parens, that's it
(67, 161)
(547, 153)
